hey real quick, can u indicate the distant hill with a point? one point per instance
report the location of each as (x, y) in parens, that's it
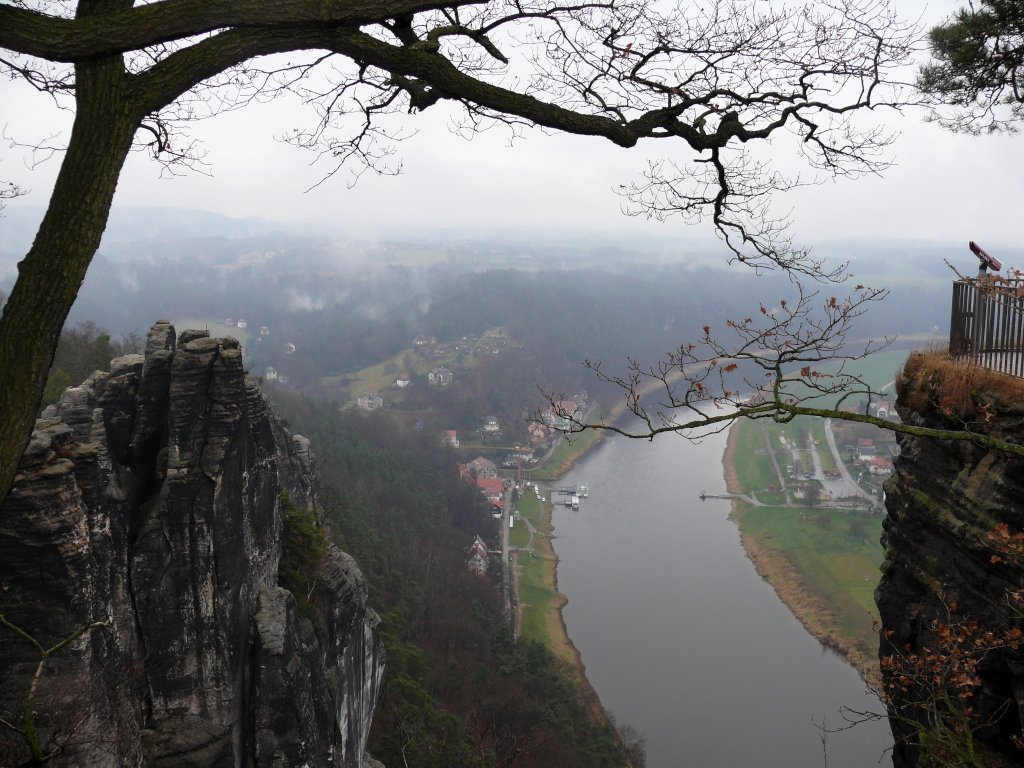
(130, 225)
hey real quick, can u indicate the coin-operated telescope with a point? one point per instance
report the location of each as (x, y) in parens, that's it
(987, 262)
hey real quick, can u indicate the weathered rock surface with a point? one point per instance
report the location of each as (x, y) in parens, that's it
(942, 502)
(147, 508)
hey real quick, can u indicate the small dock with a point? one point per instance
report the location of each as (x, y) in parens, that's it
(750, 498)
(574, 490)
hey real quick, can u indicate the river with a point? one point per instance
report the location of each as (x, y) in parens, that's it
(680, 637)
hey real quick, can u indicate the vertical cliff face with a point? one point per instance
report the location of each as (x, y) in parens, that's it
(942, 567)
(146, 516)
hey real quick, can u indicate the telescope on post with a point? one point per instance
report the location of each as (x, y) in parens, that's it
(987, 262)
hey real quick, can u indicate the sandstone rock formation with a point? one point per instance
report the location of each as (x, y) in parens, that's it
(943, 501)
(147, 512)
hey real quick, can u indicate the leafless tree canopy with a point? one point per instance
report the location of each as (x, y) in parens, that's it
(770, 364)
(709, 78)
(714, 76)
(796, 358)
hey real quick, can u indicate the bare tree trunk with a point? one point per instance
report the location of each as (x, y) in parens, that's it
(51, 274)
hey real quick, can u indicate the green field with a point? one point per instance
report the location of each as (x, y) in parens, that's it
(528, 507)
(519, 536)
(753, 467)
(877, 370)
(880, 368)
(539, 600)
(834, 553)
(755, 470)
(412, 361)
(382, 375)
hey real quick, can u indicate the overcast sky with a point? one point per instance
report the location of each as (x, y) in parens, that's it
(943, 186)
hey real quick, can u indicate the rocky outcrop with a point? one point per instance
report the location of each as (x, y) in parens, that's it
(146, 518)
(941, 567)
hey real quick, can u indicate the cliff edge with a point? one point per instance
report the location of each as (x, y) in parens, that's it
(949, 594)
(145, 525)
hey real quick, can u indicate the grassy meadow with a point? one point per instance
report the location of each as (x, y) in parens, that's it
(823, 561)
(540, 602)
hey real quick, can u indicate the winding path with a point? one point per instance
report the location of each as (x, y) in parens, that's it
(775, 463)
(852, 486)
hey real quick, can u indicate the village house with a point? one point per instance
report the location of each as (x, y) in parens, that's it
(440, 377)
(242, 324)
(482, 467)
(369, 401)
(450, 438)
(520, 456)
(880, 465)
(559, 414)
(538, 433)
(865, 448)
(477, 562)
(264, 330)
(289, 348)
(403, 381)
(491, 425)
(492, 489)
(270, 374)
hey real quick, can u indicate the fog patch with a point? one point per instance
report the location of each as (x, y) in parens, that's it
(303, 301)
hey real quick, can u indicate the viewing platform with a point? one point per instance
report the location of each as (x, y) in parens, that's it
(986, 326)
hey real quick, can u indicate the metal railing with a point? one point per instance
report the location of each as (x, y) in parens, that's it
(987, 323)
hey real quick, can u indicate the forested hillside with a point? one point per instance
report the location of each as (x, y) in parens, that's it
(458, 691)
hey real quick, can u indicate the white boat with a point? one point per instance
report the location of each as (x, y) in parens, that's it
(575, 501)
(584, 491)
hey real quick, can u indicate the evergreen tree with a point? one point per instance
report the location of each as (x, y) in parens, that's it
(977, 67)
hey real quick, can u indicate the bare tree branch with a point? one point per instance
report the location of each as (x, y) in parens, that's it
(709, 78)
(68, 40)
(790, 360)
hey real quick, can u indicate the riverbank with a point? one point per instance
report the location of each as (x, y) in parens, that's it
(539, 604)
(536, 578)
(565, 456)
(541, 573)
(573, 447)
(774, 566)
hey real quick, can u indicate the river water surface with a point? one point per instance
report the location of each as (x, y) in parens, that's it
(680, 636)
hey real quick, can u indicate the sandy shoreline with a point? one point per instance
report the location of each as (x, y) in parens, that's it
(575, 661)
(775, 568)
